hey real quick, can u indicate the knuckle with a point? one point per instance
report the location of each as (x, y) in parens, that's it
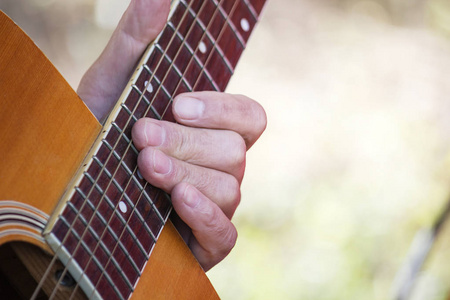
(229, 235)
(211, 218)
(225, 231)
(234, 195)
(239, 149)
(260, 117)
(184, 143)
(257, 117)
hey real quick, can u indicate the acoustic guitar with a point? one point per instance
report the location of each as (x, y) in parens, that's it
(77, 220)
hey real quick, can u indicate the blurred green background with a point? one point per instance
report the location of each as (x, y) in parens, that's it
(355, 160)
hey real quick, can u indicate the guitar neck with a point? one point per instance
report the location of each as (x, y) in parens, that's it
(110, 220)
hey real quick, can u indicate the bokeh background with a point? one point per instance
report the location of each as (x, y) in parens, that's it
(355, 160)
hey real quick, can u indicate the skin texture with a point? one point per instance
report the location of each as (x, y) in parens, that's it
(200, 160)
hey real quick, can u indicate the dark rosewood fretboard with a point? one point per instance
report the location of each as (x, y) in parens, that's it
(113, 218)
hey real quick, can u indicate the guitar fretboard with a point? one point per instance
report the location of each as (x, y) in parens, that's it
(109, 226)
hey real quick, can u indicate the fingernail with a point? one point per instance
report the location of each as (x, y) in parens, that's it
(161, 163)
(154, 134)
(191, 198)
(189, 108)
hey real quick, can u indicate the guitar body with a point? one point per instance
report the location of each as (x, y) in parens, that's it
(45, 134)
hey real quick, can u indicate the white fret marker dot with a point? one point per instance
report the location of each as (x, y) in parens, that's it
(202, 47)
(149, 87)
(245, 25)
(122, 207)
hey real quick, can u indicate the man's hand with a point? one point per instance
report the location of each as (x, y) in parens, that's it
(202, 164)
(201, 160)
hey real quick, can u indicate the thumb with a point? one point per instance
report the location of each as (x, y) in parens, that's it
(103, 83)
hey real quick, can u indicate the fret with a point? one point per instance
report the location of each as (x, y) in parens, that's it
(162, 98)
(120, 218)
(189, 40)
(136, 250)
(255, 6)
(218, 48)
(86, 223)
(213, 19)
(119, 286)
(86, 253)
(139, 181)
(142, 94)
(103, 220)
(139, 186)
(198, 72)
(230, 45)
(233, 26)
(214, 48)
(128, 199)
(125, 137)
(110, 238)
(114, 240)
(179, 45)
(132, 100)
(65, 236)
(173, 65)
(121, 154)
(181, 52)
(208, 15)
(137, 190)
(123, 123)
(168, 78)
(210, 79)
(245, 19)
(114, 180)
(142, 107)
(225, 7)
(202, 79)
(255, 14)
(129, 112)
(106, 292)
(193, 17)
(79, 260)
(106, 255)
(172, 31)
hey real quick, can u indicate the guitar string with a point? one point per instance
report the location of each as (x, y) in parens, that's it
(112, 178)
(175, 89)
(166, 108)
(156, 93)
(206, 63)
(55, 257)
(169, 104)
(178, 85)
(94, 251)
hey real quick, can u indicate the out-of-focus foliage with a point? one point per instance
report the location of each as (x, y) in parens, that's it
(355, 160)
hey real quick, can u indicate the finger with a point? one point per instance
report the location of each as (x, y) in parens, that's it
(222, 150)
(214, 233)
(221, 111)
(103, 83)
(166, 172)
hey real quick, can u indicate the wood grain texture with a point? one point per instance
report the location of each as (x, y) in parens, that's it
(46, 129)
(172, 272)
